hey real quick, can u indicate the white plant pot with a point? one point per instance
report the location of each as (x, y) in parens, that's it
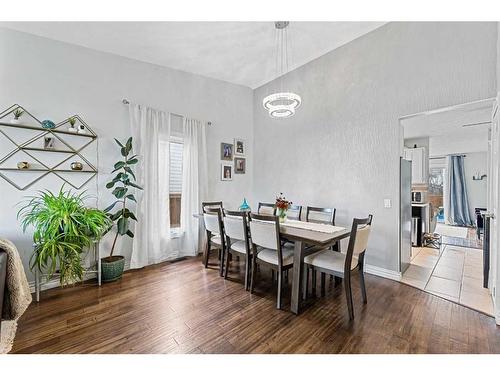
(15, 121)
(72, 129)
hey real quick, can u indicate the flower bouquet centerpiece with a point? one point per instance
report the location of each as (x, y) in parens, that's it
(282, 205)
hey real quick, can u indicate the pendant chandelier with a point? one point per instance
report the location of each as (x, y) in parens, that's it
(283, 103)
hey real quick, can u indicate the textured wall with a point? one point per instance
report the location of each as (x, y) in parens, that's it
(475, 162)
(342, 147)
(55, 80)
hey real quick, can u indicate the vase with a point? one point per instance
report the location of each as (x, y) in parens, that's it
(48, 124)
(112, 268)
(282, 214)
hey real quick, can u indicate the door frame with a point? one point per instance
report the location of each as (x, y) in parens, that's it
(492, 189)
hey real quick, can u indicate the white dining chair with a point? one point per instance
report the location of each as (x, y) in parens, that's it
(237, 241)
(215, 235)
(266, 209)
(342, 264)
(265, 239)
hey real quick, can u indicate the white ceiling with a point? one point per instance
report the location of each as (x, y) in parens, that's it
(237, 52)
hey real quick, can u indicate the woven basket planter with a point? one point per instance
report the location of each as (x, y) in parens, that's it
(112, 268)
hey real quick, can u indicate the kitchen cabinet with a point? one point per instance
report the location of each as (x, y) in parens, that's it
(419, 164)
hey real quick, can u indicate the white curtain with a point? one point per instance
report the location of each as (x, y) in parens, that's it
(151, 132)
(194, 184)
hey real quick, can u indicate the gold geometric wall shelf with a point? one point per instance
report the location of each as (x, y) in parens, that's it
(26, 141)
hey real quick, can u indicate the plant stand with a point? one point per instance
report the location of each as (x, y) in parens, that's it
(95, 268)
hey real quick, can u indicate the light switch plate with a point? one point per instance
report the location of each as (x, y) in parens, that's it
(387, 203)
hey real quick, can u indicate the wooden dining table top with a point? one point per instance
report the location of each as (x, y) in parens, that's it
(309, 236)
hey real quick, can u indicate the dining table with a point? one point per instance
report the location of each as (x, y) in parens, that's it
(307, 238)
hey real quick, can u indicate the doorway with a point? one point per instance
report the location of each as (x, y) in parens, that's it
(449, 152)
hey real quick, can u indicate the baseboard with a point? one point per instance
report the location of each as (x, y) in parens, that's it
(54, 283)
(382, 272)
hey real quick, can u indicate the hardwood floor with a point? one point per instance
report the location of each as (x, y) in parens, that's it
(183, 308)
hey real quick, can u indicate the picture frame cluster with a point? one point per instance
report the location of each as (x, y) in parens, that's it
(233, 159)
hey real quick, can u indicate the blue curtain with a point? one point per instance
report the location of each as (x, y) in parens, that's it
(459, 213)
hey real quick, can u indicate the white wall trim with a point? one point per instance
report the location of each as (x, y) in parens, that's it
(383, 272)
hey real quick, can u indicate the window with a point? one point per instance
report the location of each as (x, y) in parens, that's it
(175, 183)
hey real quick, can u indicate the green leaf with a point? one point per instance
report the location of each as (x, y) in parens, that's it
(130, 215)
(122, 225)
(132, 161)
(116, 215)
(119, 165)
(129, 171)
(120, 192)
(130, 234)
(130, 183)
(124, 151)
(128, 146)
(119, 143)
(109, 185)
(110, 207)
(131, 197)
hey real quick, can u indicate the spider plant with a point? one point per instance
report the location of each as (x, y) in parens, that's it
(18, 113)
(63, 228)
(72, 121)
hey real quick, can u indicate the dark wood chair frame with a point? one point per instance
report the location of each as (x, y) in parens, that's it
(272, 205)
(346, 275)
(248, 255)
(296, 208)
(211, 205)
(330, 211)
(331, 220)
(211, 245)
(280, 267)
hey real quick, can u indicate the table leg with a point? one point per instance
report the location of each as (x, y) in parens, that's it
(298, 259)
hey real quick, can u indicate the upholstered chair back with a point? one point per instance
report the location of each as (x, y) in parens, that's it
(264, 231)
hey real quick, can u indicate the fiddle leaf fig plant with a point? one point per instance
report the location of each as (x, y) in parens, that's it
(123, 186)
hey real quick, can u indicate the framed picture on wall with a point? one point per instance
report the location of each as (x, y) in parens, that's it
(239, 147)
(239, 165)
(226, 171)
(226, 151)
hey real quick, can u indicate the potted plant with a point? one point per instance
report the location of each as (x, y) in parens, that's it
(17, 114)
(63, 228)
(282, 205)
(123, 188)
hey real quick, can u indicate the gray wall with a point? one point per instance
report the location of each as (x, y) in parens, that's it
(342, 147)
(55, 80)
(477, 190)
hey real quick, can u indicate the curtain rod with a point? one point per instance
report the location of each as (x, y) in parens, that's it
(127, 102)
(443, 157)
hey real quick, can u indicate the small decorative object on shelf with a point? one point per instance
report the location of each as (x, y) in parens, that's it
(48, 143)
(72, 122)
(82, 130)
(17, 114)
(23, 165)
(244, 206)
(48, 124)
(282, 205)
(76, 166)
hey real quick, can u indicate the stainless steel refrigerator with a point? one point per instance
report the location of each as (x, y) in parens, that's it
(405, 214)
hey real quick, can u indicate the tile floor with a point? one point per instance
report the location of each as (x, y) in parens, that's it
(452, 272)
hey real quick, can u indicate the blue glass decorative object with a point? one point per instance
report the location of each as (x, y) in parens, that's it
(47, 124)
(244, 206)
